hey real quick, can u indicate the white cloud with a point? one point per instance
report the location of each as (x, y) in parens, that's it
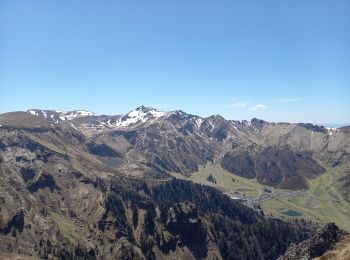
(258, 106)
(239, 105)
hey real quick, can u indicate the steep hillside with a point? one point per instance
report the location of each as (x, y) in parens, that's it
(273, 166)
(340, 250)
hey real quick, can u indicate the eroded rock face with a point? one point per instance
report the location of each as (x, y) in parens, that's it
(273, 166)
(241, 164)
(323, 241)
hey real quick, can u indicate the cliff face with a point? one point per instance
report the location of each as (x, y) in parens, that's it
(324, 240)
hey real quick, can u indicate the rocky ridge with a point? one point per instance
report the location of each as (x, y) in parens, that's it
(324, 240)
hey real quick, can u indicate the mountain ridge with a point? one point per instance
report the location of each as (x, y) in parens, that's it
(143, 107)
(149, 140)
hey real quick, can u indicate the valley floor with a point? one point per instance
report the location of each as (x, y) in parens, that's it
(323, 202)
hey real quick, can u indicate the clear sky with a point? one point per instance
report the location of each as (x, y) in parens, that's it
(276, 60)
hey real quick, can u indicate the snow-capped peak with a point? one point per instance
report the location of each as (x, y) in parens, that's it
(139, 115)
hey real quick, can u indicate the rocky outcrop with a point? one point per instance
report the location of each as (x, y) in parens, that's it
(323, 241)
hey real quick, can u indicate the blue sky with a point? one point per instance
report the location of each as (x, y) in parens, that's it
(275, 60)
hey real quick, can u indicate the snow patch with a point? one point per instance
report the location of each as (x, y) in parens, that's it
(75, 128)
(212, 126)
(32, 112)
(54, 120)
(61, 114)
(75, 114)
(332, 130)
(199, 122)
(138, 116)
(156, 113)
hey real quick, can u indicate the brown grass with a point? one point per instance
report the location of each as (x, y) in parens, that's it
(341, 252)
(23, 120)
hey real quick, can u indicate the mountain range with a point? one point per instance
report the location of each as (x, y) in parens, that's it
(78, 185)
(147, 141)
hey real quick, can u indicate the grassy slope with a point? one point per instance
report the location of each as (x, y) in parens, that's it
(329, 205)
(224, 181)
